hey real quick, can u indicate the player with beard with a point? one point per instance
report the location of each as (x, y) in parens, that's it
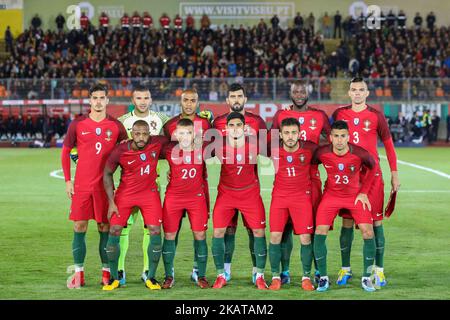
(314, 125)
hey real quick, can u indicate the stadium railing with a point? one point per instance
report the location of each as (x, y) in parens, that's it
(214, 89)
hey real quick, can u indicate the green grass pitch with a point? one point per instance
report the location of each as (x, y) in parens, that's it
(35, 246)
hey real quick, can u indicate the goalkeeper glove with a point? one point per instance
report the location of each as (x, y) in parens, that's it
(74, 155)
(206, 114)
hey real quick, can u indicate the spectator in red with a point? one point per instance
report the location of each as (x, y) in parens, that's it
(147, 21)
(104, 21)
(164, 21)
(190, 22)
(205, 22)
(125, 22)
(136, 21)
(178, 22)
(84, 21)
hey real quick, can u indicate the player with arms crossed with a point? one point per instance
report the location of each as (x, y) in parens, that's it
(291, 198)
(254, 126)
(239, 189)
(365, 126)
(346, 188)
(138, 159)
(95, 136)
(314, 125)
(142, 100)
(185, 192)
(189, 102)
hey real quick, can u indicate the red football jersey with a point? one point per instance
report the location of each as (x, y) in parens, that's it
(104, 20)
(136, 20)
(365, 127)
(147, 21)
(125, 21)
(343, 172)
(253, 123)
(239, 165)
(186, 170)
(312, 123)
(293, 169)
(164, 21)
(200, 126)
(138, 167)
(94, 142)
(178, 22)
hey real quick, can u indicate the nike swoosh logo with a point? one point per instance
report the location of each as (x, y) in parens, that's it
(130, 162)
(368, 258)
(263, 222)
(309, 228)
(199, 256)
(320, 258)
(84, 133)
(342, 249)
(328, 166)
(276, 158)
(156, 251)
(379, 214)
(261, 255)
(225, 158)
(160, 220)
(166, 252)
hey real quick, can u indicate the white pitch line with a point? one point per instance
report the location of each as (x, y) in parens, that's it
(437, 172)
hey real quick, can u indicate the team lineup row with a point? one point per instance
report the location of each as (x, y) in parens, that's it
(354, 187)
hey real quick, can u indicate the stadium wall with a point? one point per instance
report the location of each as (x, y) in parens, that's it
(247, 12)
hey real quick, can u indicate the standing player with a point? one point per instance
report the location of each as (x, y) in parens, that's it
(95, 136)
(365, 125)
(239, 189)
(185, 192)
(189, 102)
(346, 188)
(138, 159)
(142, 100)
(254, 126)
(291, 198)
(314, 123)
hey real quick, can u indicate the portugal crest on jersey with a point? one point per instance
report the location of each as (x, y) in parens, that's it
(289, 159)
(98, 131)
(108, 135)
(143, 156)
(301, 120)
(366, 125)
(356, 121)
(341, 166)
(313, 123)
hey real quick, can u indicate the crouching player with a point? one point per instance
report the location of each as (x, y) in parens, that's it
(291, 198)
(345, 188)
(185, 192)
(138, 159)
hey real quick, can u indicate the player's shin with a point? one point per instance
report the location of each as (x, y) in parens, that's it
(218, 252)
(102, 248)
(275, 258)
(201, 249)
(260, 254)
(346, 239)
(380, 243)
(145, 245)
(79, 248)
(251, 246)
(168, 256)
(113, 252)
(368, 256)
(320, 253)
(286, 248)
(124, 243)
(154, 254)
(306, 255)
(195, 264)
(230, 240)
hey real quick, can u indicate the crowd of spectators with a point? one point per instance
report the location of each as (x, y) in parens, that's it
(27, 128)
